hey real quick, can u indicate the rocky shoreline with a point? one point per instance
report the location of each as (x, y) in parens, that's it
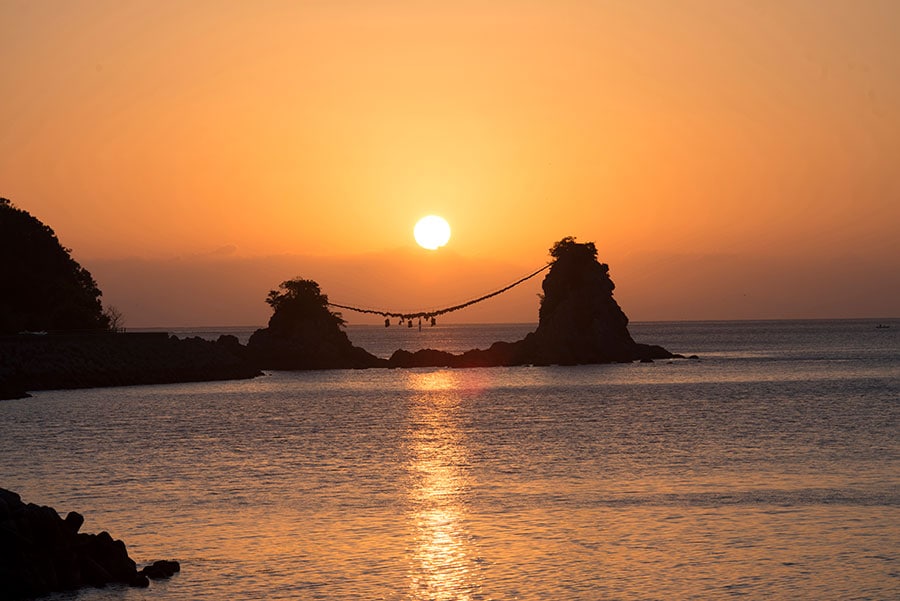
(41, 553)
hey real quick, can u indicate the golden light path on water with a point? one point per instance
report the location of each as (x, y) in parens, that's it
(444, 564)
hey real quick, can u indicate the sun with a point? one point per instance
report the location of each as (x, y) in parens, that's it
(432, 232)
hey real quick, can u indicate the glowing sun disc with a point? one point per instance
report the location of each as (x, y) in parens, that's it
(432, 232)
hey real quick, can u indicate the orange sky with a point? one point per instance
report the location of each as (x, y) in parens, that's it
(730, 159)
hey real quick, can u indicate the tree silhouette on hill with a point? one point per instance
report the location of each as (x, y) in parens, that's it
(299, 300)
(41, 286)
(303, 333)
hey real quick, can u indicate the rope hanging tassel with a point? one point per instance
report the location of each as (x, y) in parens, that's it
(432, 315)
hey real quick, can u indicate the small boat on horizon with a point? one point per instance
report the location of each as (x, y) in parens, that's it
(882, 326)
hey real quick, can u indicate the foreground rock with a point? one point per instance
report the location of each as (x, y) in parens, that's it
(52, 361)
(580, 323)
(161, 569)
(42, 553)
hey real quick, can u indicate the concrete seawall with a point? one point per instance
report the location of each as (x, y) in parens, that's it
(86, 360)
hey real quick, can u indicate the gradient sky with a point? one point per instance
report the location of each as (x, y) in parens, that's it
(729, 159)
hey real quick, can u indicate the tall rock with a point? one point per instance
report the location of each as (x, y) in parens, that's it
(580, 321)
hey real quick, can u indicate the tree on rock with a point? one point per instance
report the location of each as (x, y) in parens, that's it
(298, 301)
(41, 286)
(304, 333)
(568, 248)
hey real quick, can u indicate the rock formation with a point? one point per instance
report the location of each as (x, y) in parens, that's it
(304, 334)
(42, 553)
(579, 322)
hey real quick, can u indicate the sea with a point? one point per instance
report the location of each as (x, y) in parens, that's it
(767, 467)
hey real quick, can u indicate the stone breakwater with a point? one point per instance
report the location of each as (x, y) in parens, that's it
(53, 361)
(41, 553)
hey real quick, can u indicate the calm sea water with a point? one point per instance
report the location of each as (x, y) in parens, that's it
(767, 469)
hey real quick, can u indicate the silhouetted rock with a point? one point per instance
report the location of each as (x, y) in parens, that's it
(579, 322)
(160, 569)
(423, 358)
(74, 521)
(304, 334)
(231, 344)
(41, 553)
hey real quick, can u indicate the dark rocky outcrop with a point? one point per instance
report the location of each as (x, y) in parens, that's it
(579, 322)
(304, 334)
(161, 569)
(40, 553)
(498, 354)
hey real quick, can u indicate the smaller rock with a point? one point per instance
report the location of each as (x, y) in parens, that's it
(162, 568)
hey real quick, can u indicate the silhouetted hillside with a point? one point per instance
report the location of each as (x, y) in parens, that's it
(42, 289)
(41, 286)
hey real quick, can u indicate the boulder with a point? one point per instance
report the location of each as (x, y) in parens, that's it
(163, 568)
(40, 553)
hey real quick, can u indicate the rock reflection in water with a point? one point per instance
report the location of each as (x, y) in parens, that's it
(444, 563)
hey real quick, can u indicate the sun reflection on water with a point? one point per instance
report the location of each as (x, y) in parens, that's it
(444, 562)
